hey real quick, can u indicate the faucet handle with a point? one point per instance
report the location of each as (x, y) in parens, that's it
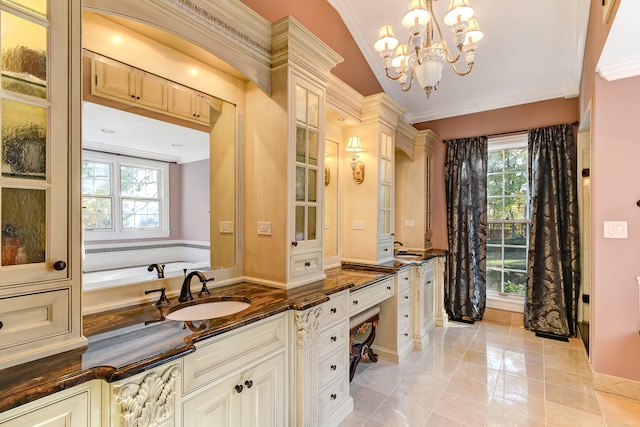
(163, 301)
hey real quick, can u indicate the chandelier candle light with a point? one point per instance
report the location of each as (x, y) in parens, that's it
(424, 57)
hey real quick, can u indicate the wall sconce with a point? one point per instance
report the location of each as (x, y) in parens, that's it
(357, 167)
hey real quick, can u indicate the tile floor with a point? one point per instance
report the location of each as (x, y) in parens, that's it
(486, 374)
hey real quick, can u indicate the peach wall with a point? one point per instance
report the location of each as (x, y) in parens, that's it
(528, 116)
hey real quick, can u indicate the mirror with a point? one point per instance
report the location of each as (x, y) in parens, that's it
(199, 156)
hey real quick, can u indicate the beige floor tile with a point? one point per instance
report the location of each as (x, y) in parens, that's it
(619, 409)
(437, 420)
(400, 413)
(365, 400)
(478, 373)
(518, 408)
(510, 386)
(462, 410)
(569, 380)
(491, 358)
(583, 401)
(563, 416)
(355, 419)
(469, 389)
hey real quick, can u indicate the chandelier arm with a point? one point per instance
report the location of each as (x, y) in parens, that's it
(430, 6)
(410, 82)
(449, 57)
(455, 70)
(390, 77)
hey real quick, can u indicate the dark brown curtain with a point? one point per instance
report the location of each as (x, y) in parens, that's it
(551, 300)
(466, 193)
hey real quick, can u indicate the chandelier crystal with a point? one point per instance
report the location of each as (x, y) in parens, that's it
(424, 56)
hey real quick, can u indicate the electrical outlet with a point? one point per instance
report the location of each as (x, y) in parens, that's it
(615, 230)
(226, 227)
(409, 223)
(358, 225)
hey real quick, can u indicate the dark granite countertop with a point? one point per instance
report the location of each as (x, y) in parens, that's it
(120, 344)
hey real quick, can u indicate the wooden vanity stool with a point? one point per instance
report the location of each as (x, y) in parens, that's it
(362, 328)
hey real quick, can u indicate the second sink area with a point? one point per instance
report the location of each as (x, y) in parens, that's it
(208, 309)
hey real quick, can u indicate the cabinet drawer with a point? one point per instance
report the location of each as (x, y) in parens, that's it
(404, 300)
(332, 366)
(404, 333)
(30, 317)
(305, 264)
(220, 355)
(329, 398)
(334, 310)
(404, 281)
(334, 338)
(385, 249)
(369, 296)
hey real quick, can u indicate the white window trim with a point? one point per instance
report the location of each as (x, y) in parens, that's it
(117, 233)
(500, 300)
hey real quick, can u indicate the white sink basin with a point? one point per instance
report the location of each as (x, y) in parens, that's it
(207, 310)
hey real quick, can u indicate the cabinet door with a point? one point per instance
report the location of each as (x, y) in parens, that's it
(34, 140)
(218, 405)
(180, 101)
(308, 163)
(151, 90)
(112, 79)
(75, 407)
(263, 399)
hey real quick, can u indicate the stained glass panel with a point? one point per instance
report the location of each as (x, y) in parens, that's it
(24, 140)
(23, 226)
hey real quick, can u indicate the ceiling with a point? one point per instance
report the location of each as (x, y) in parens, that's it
(531, 51)
(115, 131)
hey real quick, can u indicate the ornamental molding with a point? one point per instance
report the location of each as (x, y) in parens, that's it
(150, 402)
(308, 326)
(214, 21)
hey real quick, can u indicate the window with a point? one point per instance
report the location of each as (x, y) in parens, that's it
(508, 217)
(123, 197)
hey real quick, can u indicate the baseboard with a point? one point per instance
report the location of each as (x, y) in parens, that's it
(616, 385)
(504, 316)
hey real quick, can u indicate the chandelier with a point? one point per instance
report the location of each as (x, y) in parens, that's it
(424, 56)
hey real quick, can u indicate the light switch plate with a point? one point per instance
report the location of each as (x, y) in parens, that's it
(264, 228)
(358, 225)
(226, 227)
(409, 223)
(615, 230)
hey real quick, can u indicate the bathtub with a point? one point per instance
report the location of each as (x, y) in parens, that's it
(126, 276)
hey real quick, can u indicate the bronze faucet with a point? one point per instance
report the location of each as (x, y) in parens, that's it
(158, 267)
(185, 292)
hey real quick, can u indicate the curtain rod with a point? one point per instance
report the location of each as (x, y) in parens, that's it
(576, 123)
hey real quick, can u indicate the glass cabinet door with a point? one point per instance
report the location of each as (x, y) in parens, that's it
(307, 164)
(385, 212)
(33, 173)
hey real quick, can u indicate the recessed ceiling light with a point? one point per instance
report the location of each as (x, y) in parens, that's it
(194, 72)
(106, 130)
(341, 119)
(117, 39)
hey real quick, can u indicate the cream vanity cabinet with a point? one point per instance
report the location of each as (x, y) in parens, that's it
(425, 304)
(394, 340)
(39, 303)
(384, 246)
(238, 378)
(120, 82)
(79, 406)
(321, 364)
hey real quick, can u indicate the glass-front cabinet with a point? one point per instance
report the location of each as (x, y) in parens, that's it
(385, 195)
(306, 239)
(37, 299)
(33, 212)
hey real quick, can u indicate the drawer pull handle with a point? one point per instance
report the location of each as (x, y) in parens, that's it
(334, 367)
(406, 316)
(428, 282)
(334, 310)
(294, 243)
(307, 264)
(406, 334)
(239, 388)
(406, 297)
(248, 383)
(59, 265)
(1, 325)
(334, 338)
(388, 288)
(355, 302)
(405, 278)
(386, 249)
(333, 396)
